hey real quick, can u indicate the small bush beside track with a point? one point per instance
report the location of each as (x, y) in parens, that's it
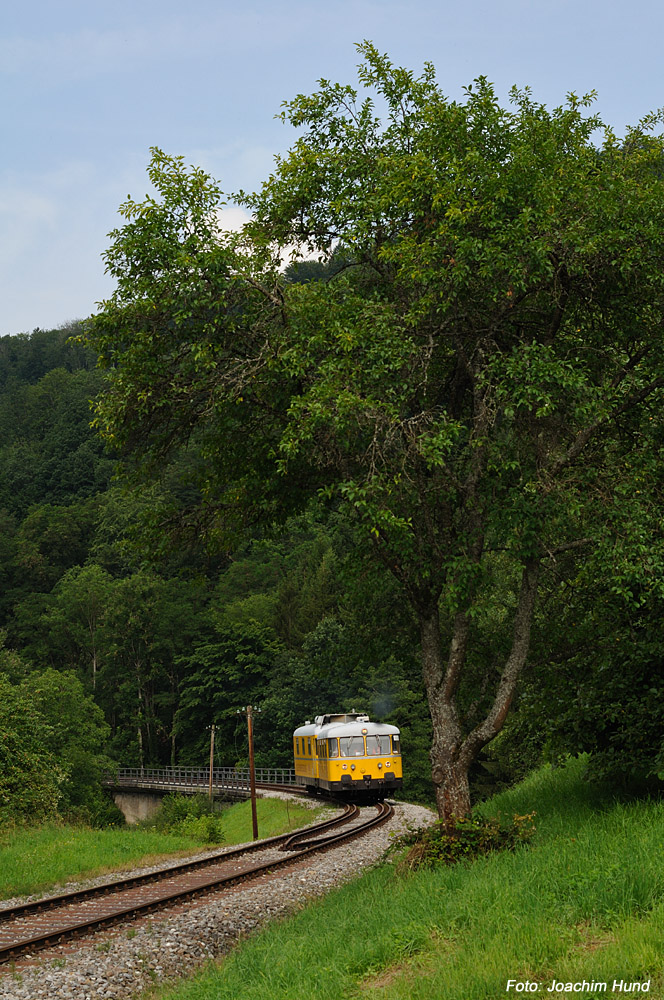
(469, 839)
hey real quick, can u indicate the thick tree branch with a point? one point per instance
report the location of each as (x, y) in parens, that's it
(492, 724)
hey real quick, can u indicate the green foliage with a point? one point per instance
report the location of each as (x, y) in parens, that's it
(189, 816)
(76, 734)
(12, 666)
(52, 747)
(51, 540)
(218, 680)
(26, 357)
(149, 622)
(30, 776)
(73, 623)
(288, 583)
(604, 696)
(48, 453)
(470, 838)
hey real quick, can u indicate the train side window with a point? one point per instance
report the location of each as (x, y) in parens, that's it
(309, 746)
(332, 748)
(396, 745)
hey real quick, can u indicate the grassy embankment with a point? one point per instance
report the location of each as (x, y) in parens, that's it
(36, 859)
(583, 902)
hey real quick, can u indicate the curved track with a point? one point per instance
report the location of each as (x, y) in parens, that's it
(38, 924)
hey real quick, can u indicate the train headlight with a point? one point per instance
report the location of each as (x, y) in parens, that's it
(380, 765)
(344, 767)
(387, 763)
(352, 767)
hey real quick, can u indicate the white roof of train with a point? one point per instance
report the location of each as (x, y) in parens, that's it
(329, 726)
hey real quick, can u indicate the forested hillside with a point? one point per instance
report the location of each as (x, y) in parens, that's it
(118, 649)
(137, 646)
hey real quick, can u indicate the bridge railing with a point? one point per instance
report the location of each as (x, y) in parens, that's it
(179, 777)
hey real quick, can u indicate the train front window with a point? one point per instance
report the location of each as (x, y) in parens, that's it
(332, 748)
(378, 746)
(396, 745)
(352, 746)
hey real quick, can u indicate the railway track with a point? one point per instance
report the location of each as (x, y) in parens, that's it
(29, 927)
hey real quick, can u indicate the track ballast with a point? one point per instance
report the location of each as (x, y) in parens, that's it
(29, 927)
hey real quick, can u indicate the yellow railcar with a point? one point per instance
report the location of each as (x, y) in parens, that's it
(348, 755)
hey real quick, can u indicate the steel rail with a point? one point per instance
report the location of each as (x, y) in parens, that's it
(168, 871)
(11, 949)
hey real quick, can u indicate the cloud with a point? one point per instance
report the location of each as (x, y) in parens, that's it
(53, 225)
(232, 218)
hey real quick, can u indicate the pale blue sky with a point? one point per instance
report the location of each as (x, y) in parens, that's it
(88, 87)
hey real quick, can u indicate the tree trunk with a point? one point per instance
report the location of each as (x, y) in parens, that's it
(450, 781)
(93, 645)
(139, 737)
(451, 753)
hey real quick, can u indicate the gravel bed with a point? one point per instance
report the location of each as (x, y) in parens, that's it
(120, 963)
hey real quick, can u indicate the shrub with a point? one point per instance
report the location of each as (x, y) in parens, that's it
(469, 839)
(191, 816)
(204, 828)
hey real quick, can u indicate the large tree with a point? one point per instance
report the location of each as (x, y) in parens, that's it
(489, 324)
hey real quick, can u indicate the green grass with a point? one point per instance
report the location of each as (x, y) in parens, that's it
(36, 859)
(275, 816)
(584, 901)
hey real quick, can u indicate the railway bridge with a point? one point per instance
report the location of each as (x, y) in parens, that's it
(138, 791)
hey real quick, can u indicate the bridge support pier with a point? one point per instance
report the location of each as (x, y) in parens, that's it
(137, 806)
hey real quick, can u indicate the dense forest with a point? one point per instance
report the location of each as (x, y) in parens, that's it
(134, 647)
(117, 648)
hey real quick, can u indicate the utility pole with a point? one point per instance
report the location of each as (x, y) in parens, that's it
(211, 728)
(252, 770)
